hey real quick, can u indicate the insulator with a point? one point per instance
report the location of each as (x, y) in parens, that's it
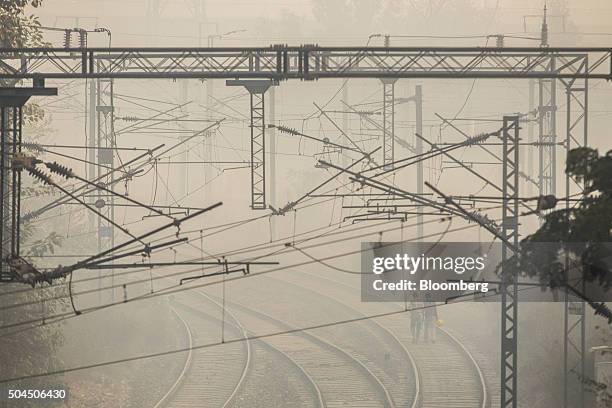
(499, 41)
(284, 129)
(60, 169)
(603, 310)
(42, 177)
(29, 216)
(82, 38)
(67, 38)
(484, 220)
(478, 139)
(35, 147)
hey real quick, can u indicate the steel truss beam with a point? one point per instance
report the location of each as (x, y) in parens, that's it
(509, 285)
(305, 62)
(574, 345)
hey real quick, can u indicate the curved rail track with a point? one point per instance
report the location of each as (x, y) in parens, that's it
(324, 367)
(449, 374)
(210, 376)
(231, 382)
(344, 381)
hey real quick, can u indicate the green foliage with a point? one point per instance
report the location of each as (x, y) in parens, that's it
(16, 28)
(33, 350)
(45, 245)
(581, 232)
(33, 113)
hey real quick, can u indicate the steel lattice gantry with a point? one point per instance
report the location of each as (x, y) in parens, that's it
(307, 62)
(509, 286)
(572, 65)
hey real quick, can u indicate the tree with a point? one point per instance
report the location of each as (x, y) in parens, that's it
(578, 236)
(17, 28)
(35, 349)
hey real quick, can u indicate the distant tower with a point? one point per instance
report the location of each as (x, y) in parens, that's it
(544, 32)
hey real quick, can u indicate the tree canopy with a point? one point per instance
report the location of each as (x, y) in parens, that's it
(582, 232)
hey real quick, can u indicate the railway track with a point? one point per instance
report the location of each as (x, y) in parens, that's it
(368, 342)
(343, 380)
(210, 376)
(450, 375)
(264, 365)
(268, 363)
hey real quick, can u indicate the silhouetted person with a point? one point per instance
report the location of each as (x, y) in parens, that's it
(430, 317)
(416, 320)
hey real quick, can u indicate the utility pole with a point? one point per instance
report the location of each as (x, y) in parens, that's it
(547, 123)
(418, 102)
(12, 101)
(152, 20)
(388, 118)
(509, 284)
(531, 117)
(345, 117)
(105, 159)
(183, 168)
(257, 89)
(272, 140)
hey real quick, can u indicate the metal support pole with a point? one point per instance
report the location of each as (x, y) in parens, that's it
(418, 102)
(574, 343)
(209, 134)
(91, 143)
(257, 90)
(531, 116)
(272, 140)
(10, 180)
(152, 21)
(388, 121)
(345, 117)
(258, 156)
(105, 145)
(183, 184)
(11, 130)
(547, 131)
(5, 215)
(509, 287)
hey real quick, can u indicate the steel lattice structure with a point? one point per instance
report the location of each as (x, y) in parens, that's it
(575, 321)
(12, 101)
(10, 182)
(547, 131)
(572, 65)
(105, 158)
(257, 90)
(509, 286)
(306, 62)
(388, 112)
